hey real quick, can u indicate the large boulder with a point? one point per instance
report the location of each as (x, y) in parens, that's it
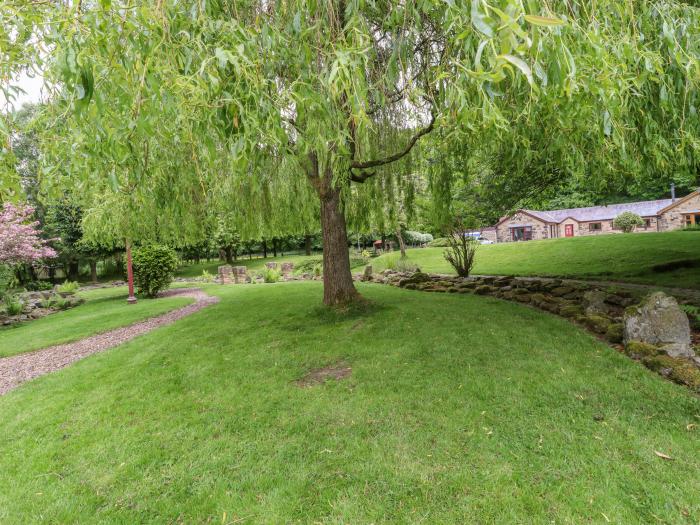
(416, 278)
(658, 320)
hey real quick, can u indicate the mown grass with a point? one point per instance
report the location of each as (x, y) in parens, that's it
(459, 409)
(104, 309)
(609, 257)
(256, 263)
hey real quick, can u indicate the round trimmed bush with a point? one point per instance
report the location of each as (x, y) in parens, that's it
(627, 221)
(154, 268)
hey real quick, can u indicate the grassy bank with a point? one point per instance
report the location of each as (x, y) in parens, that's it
(104, 309)
(459, 409)
(254, 264)
(631, 258)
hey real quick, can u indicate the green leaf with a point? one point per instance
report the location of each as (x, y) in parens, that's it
(479, 20)
(544, 21)
(113, 180)
(521, 65)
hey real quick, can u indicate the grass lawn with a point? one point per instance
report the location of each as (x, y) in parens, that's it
(459, 409)
(256, 263)
(609, 257)
(104, 309)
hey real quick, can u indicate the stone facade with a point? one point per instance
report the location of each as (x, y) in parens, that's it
(537, 228)
(661, 215)
(489, 234)
(677, 216)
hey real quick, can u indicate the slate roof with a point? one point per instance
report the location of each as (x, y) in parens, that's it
(602, 213)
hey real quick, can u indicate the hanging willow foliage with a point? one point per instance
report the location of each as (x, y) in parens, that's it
(178, 107)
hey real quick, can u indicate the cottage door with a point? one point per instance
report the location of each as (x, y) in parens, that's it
(569, 230)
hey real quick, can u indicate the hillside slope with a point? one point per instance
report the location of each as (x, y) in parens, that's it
(666, 259)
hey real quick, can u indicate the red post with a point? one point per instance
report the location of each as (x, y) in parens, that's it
(130, 274)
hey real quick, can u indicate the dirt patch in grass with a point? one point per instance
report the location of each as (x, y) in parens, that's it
(318, 376)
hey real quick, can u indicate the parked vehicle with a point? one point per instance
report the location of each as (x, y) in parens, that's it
(478, 237)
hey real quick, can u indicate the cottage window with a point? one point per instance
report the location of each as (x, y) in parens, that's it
(595, 226)
(521, 233)
(692, 219)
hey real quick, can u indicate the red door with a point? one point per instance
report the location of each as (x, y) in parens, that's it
(569, 230)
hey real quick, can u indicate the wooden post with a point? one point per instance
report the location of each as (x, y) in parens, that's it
(130, 274)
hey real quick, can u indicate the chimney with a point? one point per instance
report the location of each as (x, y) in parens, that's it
(673, 192)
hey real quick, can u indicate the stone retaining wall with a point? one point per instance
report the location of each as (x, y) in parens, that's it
(39, 304)
(601, 310)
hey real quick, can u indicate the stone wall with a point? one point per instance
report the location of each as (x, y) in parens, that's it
(673, 219)
(490, 234)
(539, 228)
(40, 304)
(603, 311)
(607, 227)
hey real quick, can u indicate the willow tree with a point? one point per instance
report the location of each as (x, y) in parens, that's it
(177, 103)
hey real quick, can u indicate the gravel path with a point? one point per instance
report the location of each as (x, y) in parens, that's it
(17, 369)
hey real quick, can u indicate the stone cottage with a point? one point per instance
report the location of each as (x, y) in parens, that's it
(659, 215)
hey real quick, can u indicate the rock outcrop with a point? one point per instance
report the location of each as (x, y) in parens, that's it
(659, 321)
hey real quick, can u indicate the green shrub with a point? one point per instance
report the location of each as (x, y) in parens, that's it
(68, 287)
(627, 221)
(440, 242)
(208, 277)
(154, 267)
(7, 278)
(48, 302)
(318, 270)
(270, 275)
(61, 303)
(13, 304)
(308, 265)
(413, 237)
(461, 251)
(38, 286)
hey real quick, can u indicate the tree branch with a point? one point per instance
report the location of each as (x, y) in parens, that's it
(396, 156)
(362, 177)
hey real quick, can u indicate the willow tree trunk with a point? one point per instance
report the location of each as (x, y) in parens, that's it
(402, 244)
(93, 271)
(307, 244)
(338, 287)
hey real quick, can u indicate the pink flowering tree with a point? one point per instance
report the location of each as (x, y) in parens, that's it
(20, 242)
